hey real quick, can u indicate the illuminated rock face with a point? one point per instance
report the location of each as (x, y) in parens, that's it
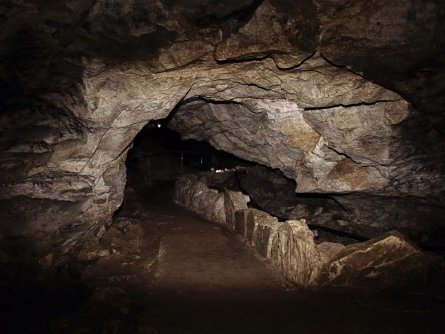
(79, 81)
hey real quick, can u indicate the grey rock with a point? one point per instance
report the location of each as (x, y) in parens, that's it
(241, 217)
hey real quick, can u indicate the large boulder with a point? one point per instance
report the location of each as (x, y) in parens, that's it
(294, 252)
(387, 262)
(257, 227)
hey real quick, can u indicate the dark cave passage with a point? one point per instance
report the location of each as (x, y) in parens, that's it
(159, 155)
(158, 149)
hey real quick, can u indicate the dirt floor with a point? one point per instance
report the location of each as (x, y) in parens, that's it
(192, 276)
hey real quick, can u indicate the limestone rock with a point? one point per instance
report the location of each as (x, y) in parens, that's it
(233, 201)
(328, 250)
(195, 196)
(286, 30)
(264, 228)
(80, 79)
(240, 225)
(404, 31)
(295, 253)
(386, 262)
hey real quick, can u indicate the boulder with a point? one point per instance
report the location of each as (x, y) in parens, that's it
(294, 252)
(219, 209)
(263, 227)
(387, 262)
(91, 250)
(234, 201)
(125, 242)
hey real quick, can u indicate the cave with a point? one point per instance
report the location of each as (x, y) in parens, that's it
(222, 166)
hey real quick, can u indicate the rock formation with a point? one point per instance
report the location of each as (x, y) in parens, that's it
(344, 97)
(388, 262)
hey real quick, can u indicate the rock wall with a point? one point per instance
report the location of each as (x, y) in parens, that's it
(386, 262)
(284, 84)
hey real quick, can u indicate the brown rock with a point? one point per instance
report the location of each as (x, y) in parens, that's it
(241, 217)
(387, 262)
(123, 242)
(47, 260)
(286, 30)
(328, 250)
(233, 201)
(197, 197)
(263, 227)
(76, 102)
(295, 253)
(91, 250)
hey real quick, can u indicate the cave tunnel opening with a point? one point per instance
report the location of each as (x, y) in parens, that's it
(159, 156)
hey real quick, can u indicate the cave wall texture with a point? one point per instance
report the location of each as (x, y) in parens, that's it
(345, 97)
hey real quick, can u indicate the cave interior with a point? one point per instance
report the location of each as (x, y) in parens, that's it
(222, 166)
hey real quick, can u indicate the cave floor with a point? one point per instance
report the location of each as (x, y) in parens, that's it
(208, 281)
(204, 279)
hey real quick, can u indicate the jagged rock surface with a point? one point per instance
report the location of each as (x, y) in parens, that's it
(79, 80)
(294, 252)
(361, 215)
(195, 196)
(386, 262)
